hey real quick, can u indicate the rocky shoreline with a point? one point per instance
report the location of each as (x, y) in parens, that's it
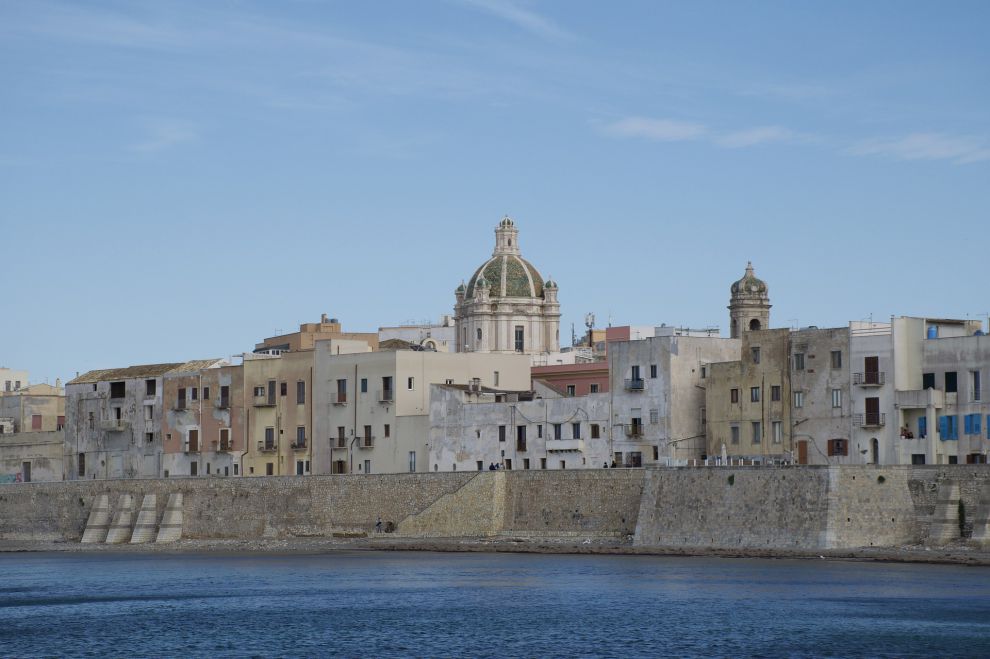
(950, 554)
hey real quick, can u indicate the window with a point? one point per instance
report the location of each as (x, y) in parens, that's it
(975, 390)
(755, 353)
(206, 393)
(653, 371)
(654, 416)
(269, 468)
(539, 431)
(798, 361)
(411, 384)
(283, 389)
(341, 391)
(734, 434)
(479, 335)
(367, 436)
(300, 436)
(194, 393)
(543, 463)
(387, 387)
(836, 359)
(224, 396)
(412, 461)
(225, 439)
(734, 395)
(754, 394)
(150, 386)
(775, 392)
(571, 390)
(194, 468)
(595, 431)
(557, 431)
(576, 430)
(521, 438)
(258, 391)
(777, 431)
(951, 385)
(798, 399)
(300, 392)
(495, 378)
(972, 424)
(236, 469)
(341, 436)
(634, 371)
(948, 427)
(271, 391)
(757, 432)
(181, 403)
(519, 338)
(269, 439)
(927, 380)
(388, 430)
(838, 447)
(364, 385)
(192, 440)
(837, 398)
(501, 433)
(704, 417)
(60, 423)
(704, 371)
(593, 388)
(525, 463)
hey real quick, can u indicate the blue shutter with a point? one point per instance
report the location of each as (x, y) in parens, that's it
(922, 427)
(976, 424)
(988, 426)
(968, 424)
(954, 427)
(943, 428)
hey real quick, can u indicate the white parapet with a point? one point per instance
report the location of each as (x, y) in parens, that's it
(144, 530)
(170, 529)
(99, 521)
(120, 530)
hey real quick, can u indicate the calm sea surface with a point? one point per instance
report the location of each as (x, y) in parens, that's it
(425, 604)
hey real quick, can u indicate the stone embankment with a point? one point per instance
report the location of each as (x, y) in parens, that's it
(726, 510)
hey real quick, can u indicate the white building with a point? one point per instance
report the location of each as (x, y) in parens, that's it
(440, 337)
(507, 306)
(472, 428)
(12, 380)
(371, 410)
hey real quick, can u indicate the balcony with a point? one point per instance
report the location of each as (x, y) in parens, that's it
(633, 429)
(225, 446)
(191, 447)
(179, 405)
(114, 425)
(869, 379)
(263, 401)
(223, 403)
(521, 445)
(299, 446)
(565, 444)
(919, 398)
(635, 384)
(338, 398)
(367, 441)
(386, 396)
(265, 446)
(338, 442)
(870, 420)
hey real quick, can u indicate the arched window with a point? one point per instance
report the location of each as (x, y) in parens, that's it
(754, 325)
(479, 335)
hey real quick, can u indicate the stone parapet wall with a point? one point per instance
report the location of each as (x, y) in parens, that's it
(803, 508)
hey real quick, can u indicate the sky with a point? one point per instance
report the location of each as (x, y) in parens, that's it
(179, 180)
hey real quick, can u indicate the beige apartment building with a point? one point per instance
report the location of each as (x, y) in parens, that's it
(372, 410)
(310, 333)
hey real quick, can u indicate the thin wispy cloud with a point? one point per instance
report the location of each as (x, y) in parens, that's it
(927, 146)
(755, 137)
(164, 134)
(660, 130)
(522, 18)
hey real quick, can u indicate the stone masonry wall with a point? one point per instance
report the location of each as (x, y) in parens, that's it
(804, 508)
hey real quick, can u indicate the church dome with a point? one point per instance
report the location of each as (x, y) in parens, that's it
(507, 273)
(750, 284)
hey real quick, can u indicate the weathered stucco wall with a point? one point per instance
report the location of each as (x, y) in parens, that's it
(805, 508)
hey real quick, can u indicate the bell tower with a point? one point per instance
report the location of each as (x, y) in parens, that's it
(749, 304)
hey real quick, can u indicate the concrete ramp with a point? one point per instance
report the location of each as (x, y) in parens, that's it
(981, 518)
(120, 530)
(945, 520)
(170, 529)
(144, 530)
(476, 509)
(99, 521)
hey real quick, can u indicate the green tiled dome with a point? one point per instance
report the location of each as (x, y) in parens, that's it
(749, 284)
(522, 279)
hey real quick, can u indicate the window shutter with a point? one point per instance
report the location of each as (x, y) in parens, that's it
(953, 427)
(976, 424)
(968, 424)
(943, 427)
(922, 426)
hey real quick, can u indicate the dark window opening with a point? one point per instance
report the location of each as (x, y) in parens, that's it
(116, 390)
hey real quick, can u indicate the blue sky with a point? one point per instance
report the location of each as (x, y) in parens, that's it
(179, 180)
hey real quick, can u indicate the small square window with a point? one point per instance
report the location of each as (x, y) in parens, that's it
(836, 359)
(734, 395)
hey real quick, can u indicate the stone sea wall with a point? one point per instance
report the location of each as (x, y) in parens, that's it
(804, 508)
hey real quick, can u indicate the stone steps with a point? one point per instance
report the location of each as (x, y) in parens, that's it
(144, 530)
(99, 521)
(981, 518)
(170, 529)
(120, 532)
(945, 519)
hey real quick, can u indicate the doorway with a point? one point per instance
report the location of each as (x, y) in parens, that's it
(875, 444)
(802, 450)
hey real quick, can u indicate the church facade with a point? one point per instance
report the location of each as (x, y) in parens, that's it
(506, 306)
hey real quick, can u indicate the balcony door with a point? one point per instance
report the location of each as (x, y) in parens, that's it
(872, 370)
(873, 411)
